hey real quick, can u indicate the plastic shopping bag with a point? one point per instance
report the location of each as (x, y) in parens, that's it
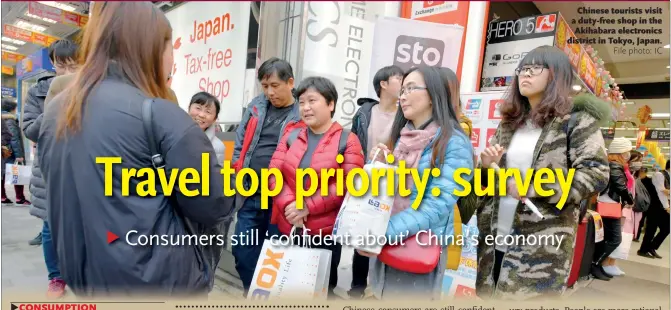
(361, 220)
(286, 271)
(460, 283)
(17, 174)
(622, 251)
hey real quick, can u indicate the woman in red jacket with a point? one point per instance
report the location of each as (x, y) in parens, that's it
(314, 143)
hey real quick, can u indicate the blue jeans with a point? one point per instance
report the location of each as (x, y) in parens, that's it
(50, 256)
(251, 218)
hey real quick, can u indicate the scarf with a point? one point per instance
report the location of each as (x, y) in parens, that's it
(630, 178)
(409, 148)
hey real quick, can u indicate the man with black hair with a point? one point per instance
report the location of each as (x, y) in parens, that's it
(257, 137)
(372, 125)
(63, 55)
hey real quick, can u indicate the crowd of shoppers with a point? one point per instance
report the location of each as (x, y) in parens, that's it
(417, 118)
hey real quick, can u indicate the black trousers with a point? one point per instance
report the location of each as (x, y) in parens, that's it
(498, 260)
(644, 215)
(360, 265)
(651, 241)
(612, 230)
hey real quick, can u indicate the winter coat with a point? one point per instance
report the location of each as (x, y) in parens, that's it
(323, 210)
(32, 120)
(361, 121)
(249, 131)
(435, 213)
(6, 140)
(81, 215)
(617, 185)
(530, 271)
(16, 142)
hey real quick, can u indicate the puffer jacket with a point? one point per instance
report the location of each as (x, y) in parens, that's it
(323, 210)
(617, 185)
(16, 141)
(528, 270)
(32, 120)
(435, 213)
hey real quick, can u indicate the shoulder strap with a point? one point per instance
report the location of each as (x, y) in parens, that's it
(156, 157)
(342, 145)
(293, 135)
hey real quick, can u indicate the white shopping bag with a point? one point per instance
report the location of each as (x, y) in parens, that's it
(286, 271)
(361, 220)
(622, 251)
(17, 174)
(460, 283)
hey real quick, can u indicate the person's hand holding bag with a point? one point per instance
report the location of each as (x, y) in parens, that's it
(294, 216)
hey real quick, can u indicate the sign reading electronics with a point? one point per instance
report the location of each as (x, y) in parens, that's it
(210, 52)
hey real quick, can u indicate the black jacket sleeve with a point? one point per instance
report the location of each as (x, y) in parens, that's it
(186, 152)
(32, 115)
(618, 184)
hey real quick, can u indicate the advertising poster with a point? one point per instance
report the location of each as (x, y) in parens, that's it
(507, 44)
(411, 43)
(562, 36)
(342, 33)
(210, 51)
(483, 109)
(460, 283)
(588, 71)
(440, 12)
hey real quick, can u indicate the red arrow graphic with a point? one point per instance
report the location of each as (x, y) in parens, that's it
(111, 237)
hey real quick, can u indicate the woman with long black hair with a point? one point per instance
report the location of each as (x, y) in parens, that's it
(426, 134)
(542, 127)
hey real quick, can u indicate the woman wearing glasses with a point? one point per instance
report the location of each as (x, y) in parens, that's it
(542, 127)
(426, 134)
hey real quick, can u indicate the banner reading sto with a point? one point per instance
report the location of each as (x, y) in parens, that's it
(149, 178)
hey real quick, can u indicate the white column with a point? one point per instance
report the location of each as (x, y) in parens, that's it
(470, 68)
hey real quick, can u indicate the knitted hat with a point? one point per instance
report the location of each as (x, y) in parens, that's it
(619, 146)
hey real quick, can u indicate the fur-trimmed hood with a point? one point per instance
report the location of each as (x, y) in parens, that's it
(596, 107)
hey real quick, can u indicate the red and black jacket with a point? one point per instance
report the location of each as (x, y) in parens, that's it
(323, 210)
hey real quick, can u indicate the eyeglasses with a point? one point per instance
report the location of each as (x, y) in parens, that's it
(533, 70)
(410, 89)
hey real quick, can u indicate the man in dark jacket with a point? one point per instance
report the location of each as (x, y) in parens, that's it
(372, 125)
(16, 147)
(63, 54)
(260, 130)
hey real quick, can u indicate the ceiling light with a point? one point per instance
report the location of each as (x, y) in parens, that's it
(29, 26)
(577, 87)
(668, 67)
(48, 20)
(660, 115)
(10, 47)
(665, 147)
(59, 5)
(666, 46)
(13, 41)
(628, 102)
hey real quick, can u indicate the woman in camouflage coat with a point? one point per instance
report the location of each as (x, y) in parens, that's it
(538, 101)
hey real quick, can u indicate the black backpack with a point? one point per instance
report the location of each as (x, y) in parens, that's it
(342, 145)
(642, 198)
